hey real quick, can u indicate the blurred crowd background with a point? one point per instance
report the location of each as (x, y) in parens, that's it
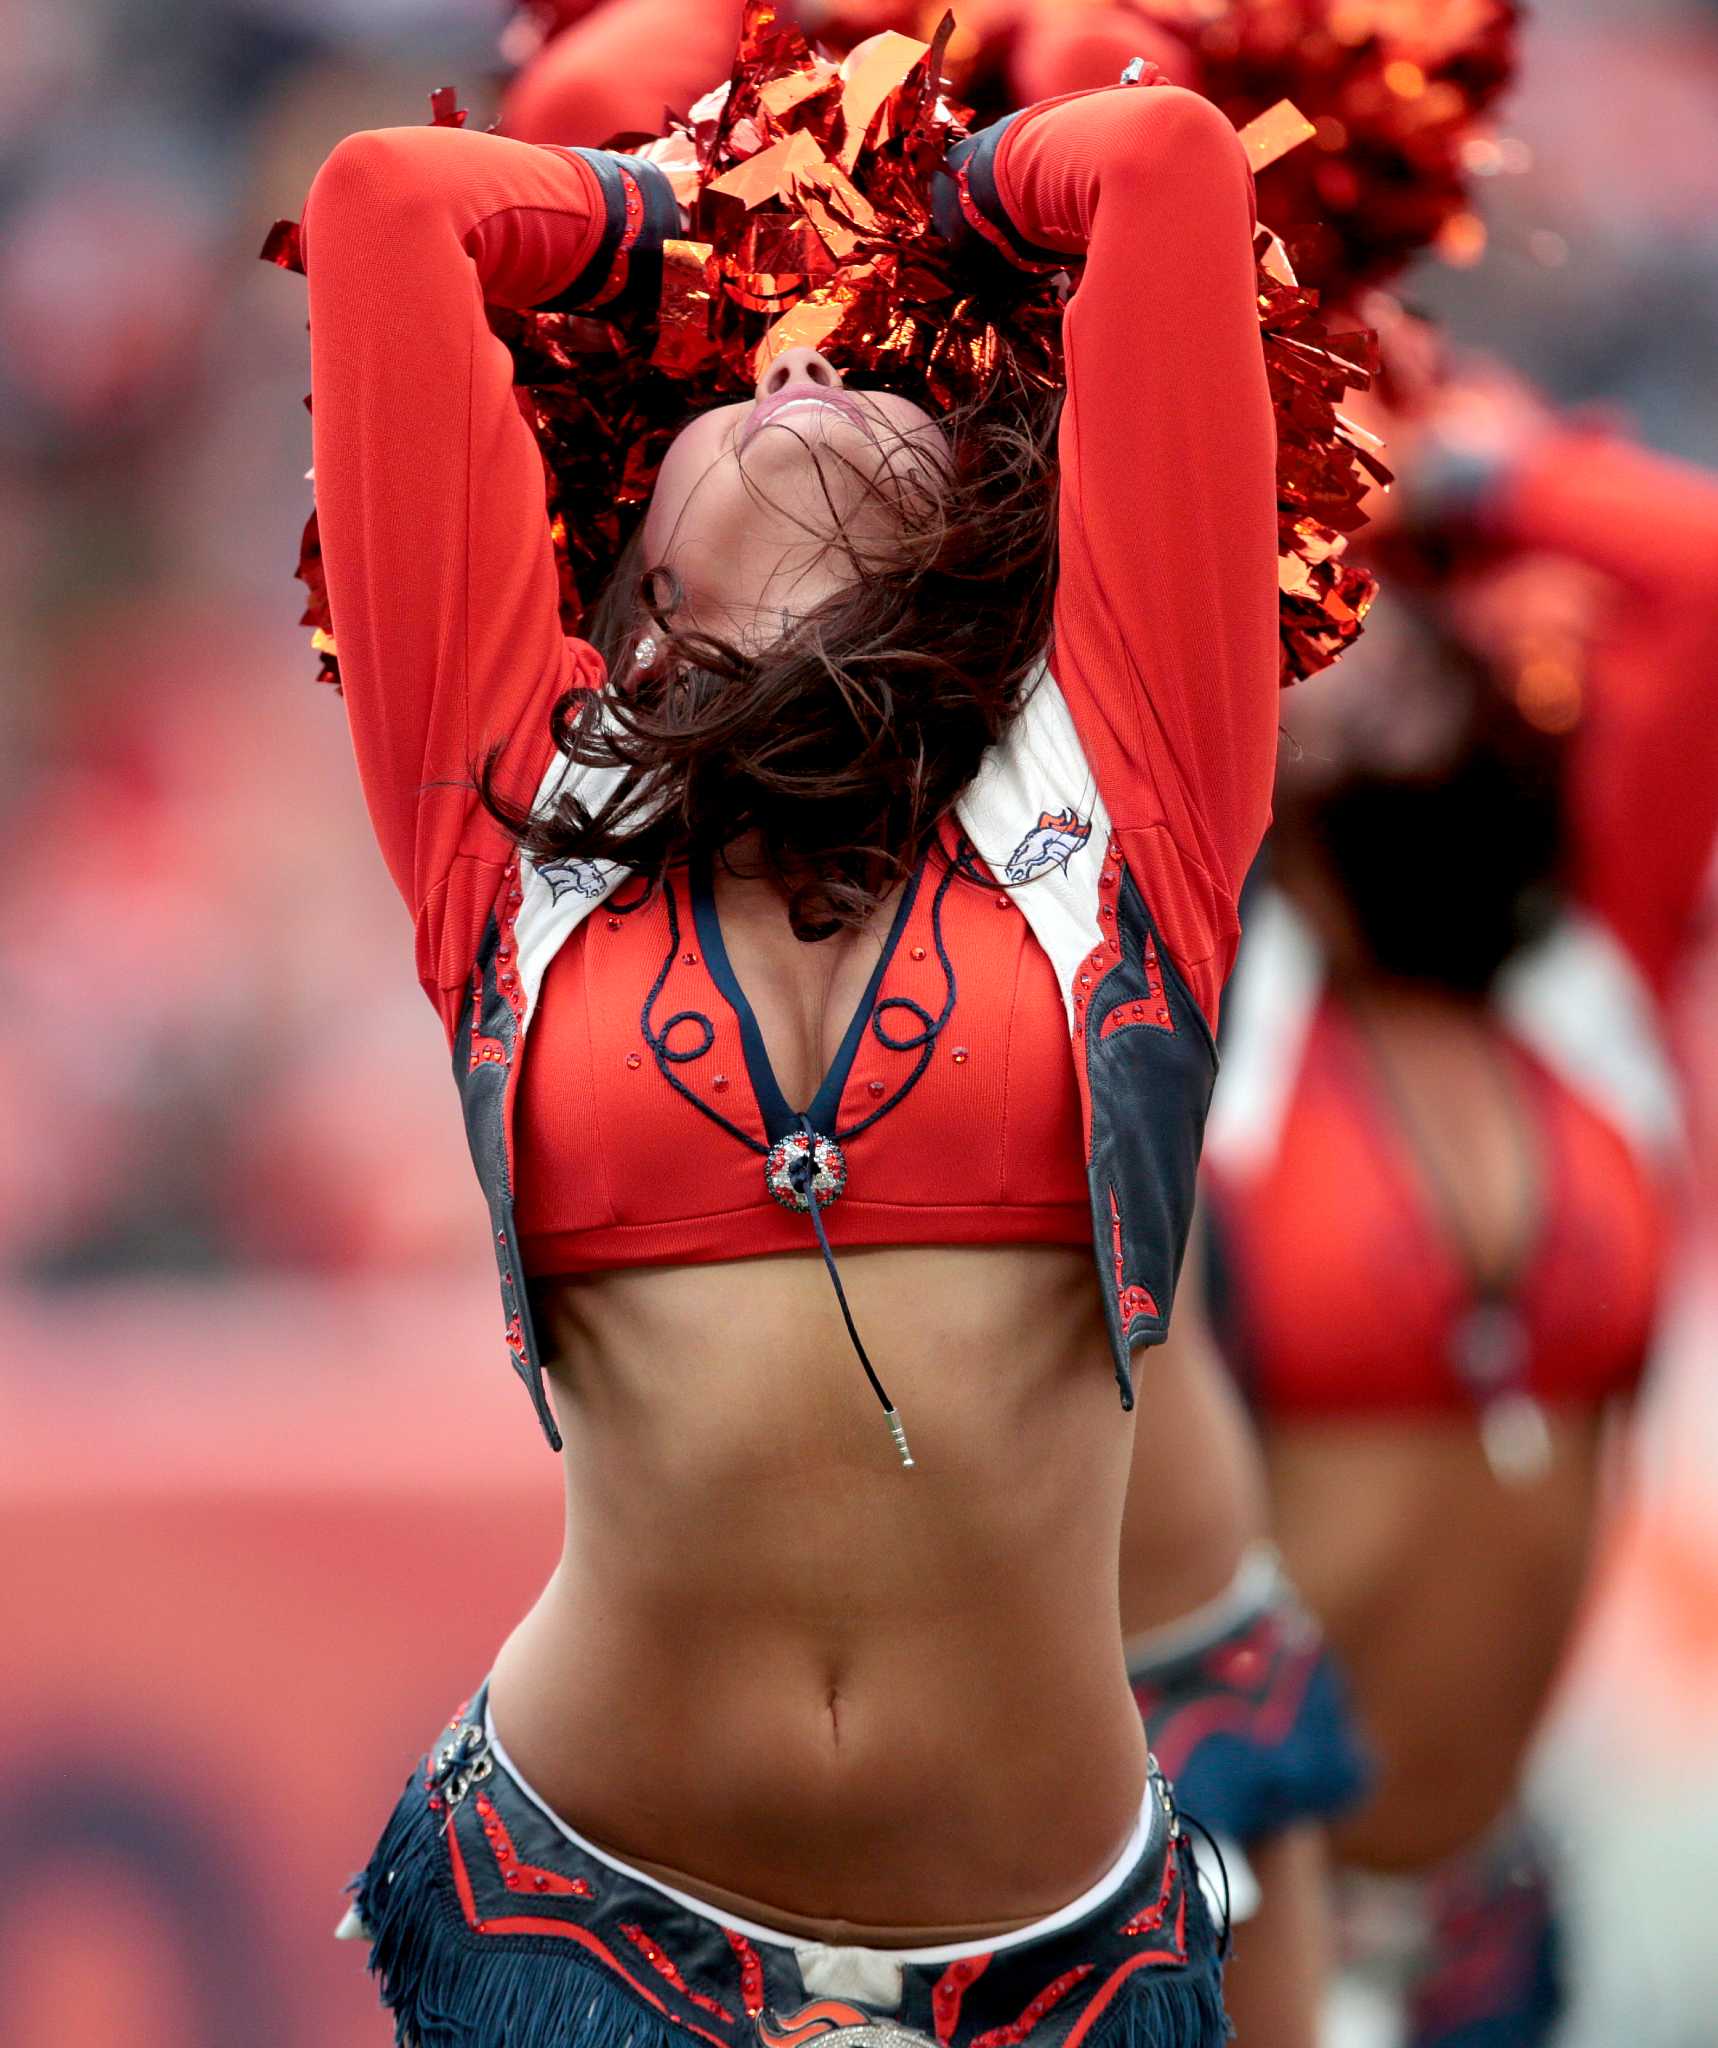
(240, 1258)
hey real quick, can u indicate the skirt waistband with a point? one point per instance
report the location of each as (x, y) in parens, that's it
(913, 1944)
(494, 1925)
(1258, 1585)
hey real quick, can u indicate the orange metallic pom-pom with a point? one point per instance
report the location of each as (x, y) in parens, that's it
(807, 185)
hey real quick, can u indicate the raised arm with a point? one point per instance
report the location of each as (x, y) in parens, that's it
(1644, 780)
(430, 493)
(1166, 605)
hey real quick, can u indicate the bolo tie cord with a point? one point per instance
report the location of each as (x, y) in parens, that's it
(803, 1174)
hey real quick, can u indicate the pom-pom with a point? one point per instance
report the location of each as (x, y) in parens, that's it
(284, 245)
(1325, 463)
(1395, 90)
(807, 183)
(807, 186)
(1325, 466)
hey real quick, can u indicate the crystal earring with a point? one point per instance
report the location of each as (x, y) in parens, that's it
(644, 654)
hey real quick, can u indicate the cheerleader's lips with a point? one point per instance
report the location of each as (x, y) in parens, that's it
(807, 396)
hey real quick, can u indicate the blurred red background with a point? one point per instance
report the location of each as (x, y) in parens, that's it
(268, 1496)
(256, 1553)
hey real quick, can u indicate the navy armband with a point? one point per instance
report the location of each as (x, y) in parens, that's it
(969, 214)
(623, 279)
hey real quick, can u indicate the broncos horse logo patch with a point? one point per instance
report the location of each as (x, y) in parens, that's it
(585, 877)
(833, 2023)
(1052, 843)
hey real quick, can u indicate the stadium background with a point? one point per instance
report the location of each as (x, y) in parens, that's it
(267, 1496)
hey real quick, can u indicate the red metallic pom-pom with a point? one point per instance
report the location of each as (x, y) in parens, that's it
(1396, 91)
(807, 187)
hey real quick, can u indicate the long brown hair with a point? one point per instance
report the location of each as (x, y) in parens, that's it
(838, 748)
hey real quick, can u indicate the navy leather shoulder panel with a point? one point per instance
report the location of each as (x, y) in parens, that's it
(1151, 1084)
(484, 1049)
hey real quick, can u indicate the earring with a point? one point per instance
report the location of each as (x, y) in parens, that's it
(644, 654)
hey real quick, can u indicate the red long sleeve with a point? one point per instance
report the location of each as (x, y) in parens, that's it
(1644, 780)
(430, 495)
(1166, 604)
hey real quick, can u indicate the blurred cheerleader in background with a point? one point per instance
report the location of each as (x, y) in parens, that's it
(1446, 1142)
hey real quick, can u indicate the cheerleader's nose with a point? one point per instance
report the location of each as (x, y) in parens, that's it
(798, 366)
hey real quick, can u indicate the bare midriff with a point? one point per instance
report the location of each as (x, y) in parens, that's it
(1450, 1597)
(1197, 1499)
(778, 1663)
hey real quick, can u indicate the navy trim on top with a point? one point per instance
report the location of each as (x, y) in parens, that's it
(641, 288)
(976, 156)
(573, 297)
(930, 1028)
(780, 1119)
(667, 1059)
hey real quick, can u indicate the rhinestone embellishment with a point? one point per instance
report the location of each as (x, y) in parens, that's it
(462, 1762)
(784, 1170)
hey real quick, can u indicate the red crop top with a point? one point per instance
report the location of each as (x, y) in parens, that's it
(1345, 1293)
(952, 1100)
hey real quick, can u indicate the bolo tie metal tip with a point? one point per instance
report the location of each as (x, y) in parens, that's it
(900, 1436)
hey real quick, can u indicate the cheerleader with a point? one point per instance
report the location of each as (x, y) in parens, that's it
(795, 873)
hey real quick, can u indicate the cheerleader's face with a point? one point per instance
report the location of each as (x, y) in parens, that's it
(1419, 811)
(765, 508)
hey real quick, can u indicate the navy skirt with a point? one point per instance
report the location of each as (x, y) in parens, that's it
(1250, 1719)
(492, 1926)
